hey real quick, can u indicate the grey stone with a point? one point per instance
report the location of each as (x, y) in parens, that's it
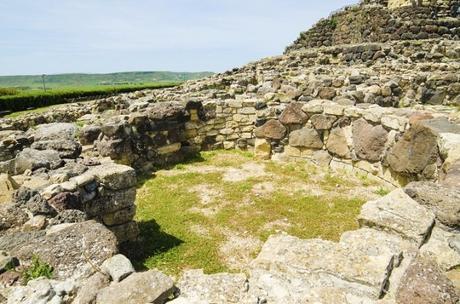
(439, 248)
(398, 213)
(7, 262)
(55, 131)
(425, 283)
(196, 287)
(114, 177)
(143, 287)
(418, 148)
(72, 251)
(30, 159)
(117, 267)
(272, 129)
(443, 201)
(65, 148)
(369, 141)
(317, 264)
(337, 143)
(7, 187)
(305, 138)
(11, 216)
(323, 122)
(33, 201)
(293, 115)
(88, 134)
(90, 287)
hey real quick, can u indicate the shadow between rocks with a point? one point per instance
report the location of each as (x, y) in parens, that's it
(152, 241)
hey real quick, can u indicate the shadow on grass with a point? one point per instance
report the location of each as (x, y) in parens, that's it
(188, 158)
(152, 241)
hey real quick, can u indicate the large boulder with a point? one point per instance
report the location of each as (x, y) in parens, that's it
(293, 115)
(425, 283)
(305, 138)
(55, 131)
(72, 251)
(369, 141)
(443, 201)
(418, 150)
(272, 129)
(65, 148)
(31, 159)
(143, 287)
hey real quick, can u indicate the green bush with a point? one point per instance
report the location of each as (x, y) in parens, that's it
(37, 269)
(33, 99)
(8, 91)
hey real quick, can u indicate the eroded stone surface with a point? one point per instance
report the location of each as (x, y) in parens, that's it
(398, 213)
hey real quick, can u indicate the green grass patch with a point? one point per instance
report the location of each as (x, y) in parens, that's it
(382, 191)
(37, 269)
(167, 210)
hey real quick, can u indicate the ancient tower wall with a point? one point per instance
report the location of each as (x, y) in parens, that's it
(377, 23)
(401, 3)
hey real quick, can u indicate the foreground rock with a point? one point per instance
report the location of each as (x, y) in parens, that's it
(146, 287)
(424, 283)
(72, 251)
(196, 287)
(398, 213)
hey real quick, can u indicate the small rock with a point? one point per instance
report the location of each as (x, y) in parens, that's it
(117, 267)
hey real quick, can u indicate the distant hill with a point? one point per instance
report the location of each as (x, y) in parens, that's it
(28, 82)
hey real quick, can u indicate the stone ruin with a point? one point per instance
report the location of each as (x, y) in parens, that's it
(375, 88)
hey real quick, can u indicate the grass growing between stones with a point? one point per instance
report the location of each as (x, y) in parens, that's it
(216, 213)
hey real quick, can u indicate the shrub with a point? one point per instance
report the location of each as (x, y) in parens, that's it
(8, 91)
(37, 269)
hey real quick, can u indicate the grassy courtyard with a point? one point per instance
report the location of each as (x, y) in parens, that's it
(216, 211)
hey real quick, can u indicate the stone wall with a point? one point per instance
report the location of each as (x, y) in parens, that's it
(401, 3)
(376, 140)
(376, 23)
(51, 183)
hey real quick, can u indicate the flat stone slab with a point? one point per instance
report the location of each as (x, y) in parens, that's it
(196, 287)
(142, 287)
(324, 263)
(398, 213)
(376, 243)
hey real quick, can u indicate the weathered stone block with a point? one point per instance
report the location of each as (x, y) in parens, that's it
(398, 213)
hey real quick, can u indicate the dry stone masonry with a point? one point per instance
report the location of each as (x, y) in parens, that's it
(374, 88)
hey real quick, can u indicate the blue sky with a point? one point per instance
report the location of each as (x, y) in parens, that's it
(98, 36)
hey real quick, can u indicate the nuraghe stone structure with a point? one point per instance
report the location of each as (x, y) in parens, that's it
(375, 87)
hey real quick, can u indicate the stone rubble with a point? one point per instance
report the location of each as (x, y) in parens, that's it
(371, 88)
